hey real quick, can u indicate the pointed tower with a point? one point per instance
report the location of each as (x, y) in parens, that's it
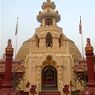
(48, 16)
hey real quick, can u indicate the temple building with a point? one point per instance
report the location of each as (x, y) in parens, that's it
(49, 55)
(49, 59)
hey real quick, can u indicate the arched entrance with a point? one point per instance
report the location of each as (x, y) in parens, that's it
(49, 78)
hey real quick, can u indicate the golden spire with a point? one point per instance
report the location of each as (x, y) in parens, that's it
(48, 0)
(48, 11)
(49, 4)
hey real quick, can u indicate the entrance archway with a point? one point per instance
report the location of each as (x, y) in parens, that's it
(49, 77)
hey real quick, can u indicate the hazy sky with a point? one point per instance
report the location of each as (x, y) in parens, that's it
(26, 10)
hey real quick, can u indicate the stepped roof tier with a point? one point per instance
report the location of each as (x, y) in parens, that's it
(48, 18)
(48, 11)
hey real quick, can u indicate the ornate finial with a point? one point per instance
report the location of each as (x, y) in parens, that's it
(9, 44)
(47, 6)
(88, 45)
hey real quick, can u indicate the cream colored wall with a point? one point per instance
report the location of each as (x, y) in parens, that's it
(34, 67)
(34, 57)
(67, 70)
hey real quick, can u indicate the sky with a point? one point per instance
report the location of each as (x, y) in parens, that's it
(27, 10)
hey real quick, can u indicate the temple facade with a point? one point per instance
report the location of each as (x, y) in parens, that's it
(48, 63)
(49, 56)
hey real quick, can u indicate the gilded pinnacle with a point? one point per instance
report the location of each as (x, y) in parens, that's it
(9, 46)
(88, 45)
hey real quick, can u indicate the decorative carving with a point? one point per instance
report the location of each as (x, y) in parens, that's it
(33, 89)
(28, 84)
(49, 57)
(66, 89)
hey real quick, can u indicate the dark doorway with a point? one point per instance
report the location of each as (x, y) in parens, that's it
(48, 40)
(49, 78)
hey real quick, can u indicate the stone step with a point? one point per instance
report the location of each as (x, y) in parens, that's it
(49, 93)
(50, 89)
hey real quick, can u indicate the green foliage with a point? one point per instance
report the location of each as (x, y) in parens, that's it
(75, 93)
(16, 78)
